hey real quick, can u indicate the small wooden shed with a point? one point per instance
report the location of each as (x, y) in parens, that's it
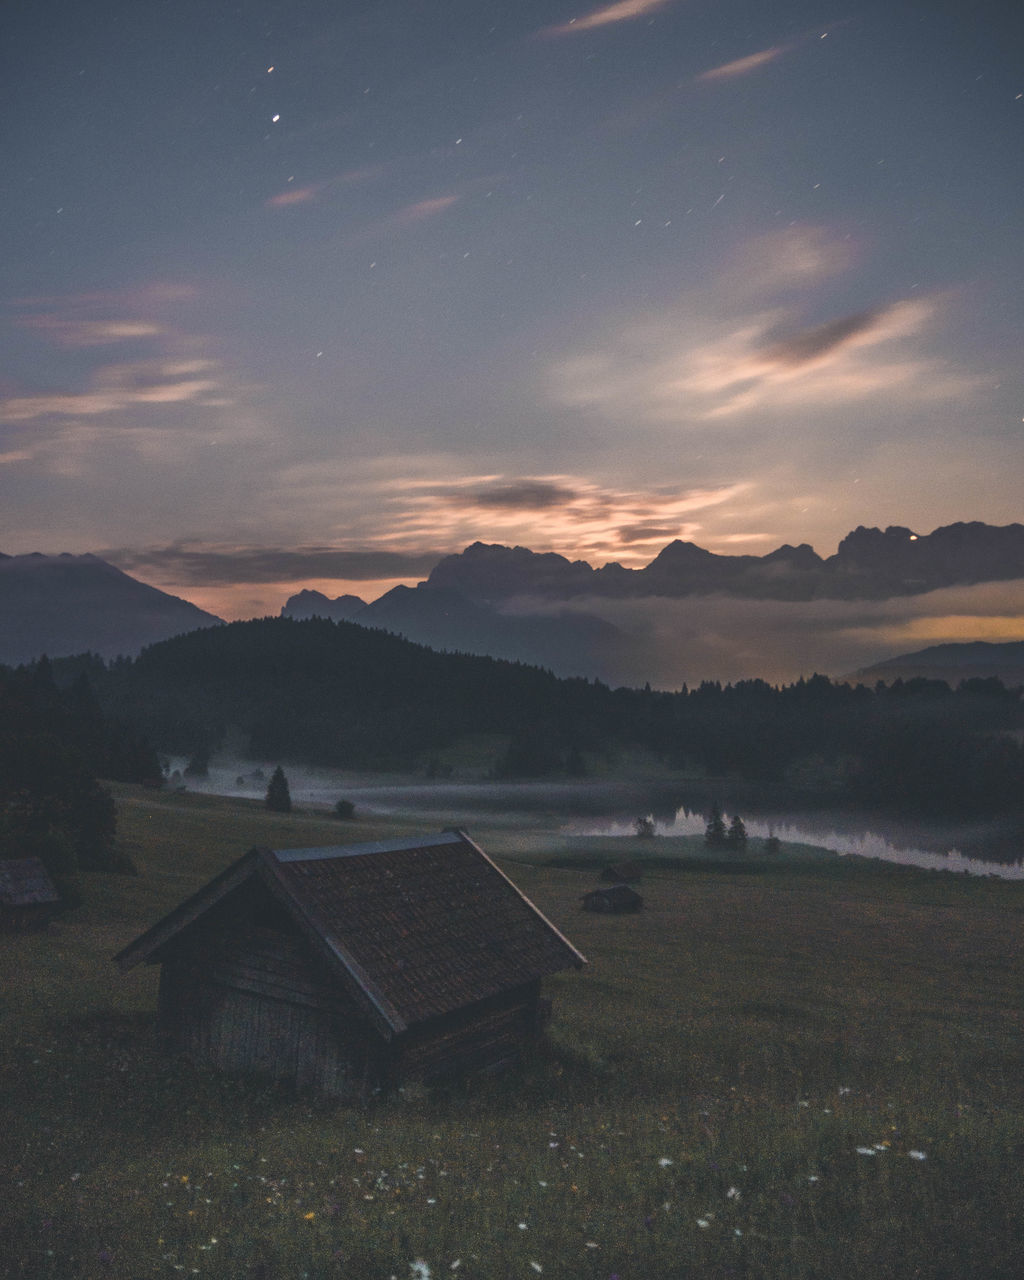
(351, 968)
(614, 899)
(28, 898)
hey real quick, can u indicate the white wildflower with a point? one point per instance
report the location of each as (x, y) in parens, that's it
(419, 1270)
(703, 1222)
(917, 1155)
(664, 1162)
(866, 1151)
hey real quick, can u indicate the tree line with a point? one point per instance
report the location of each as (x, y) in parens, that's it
(55, 743)
(333, 693)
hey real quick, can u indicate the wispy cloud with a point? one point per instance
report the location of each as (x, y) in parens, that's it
(565, 513)
(623, 11)
(742, 348)
(70, 331)
(421, 210)
(120, 387)
(743, 66)
(845, 360)
(308, 193)
(294, 195)
(213, 565)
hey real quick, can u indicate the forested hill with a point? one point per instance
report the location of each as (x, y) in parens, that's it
(330, 693)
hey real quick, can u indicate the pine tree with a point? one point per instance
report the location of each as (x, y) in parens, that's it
(714, 832)
(736, 836)
(278, 796)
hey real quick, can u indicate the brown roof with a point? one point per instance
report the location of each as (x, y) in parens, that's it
(416, 928)
(25, 881)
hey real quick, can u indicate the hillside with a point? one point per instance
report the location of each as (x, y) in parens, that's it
(976, 660)
(339, 694)
(67, 604)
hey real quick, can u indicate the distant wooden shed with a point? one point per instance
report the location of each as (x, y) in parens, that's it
(28, 897)
(614, 899)
(349, 968)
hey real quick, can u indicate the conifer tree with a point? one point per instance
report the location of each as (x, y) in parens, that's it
(714, 832)
(736, 836)
(278, 796)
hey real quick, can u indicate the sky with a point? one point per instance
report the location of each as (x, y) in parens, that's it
(310, 293)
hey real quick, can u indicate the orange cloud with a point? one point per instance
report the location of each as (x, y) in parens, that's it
(743, 66)
(564, 513)
(623, 11)
(422, 209)
(71, 332)
(294, 195)
(116, 388)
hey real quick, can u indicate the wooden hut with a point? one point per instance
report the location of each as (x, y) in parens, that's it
(614, 899)
(28, 898)
(349, 968)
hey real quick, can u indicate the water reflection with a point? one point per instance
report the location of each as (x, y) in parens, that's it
(821, 829)
(610, 808)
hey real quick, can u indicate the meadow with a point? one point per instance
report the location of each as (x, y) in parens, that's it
(813, 1069)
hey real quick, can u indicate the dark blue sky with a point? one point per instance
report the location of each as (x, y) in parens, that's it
(310, 293)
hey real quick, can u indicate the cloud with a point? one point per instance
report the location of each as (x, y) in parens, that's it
(294, 195)
(119, 387)
(197, 565)
(623, 11)
(71, 332)
(564, 513)
(846, 360)
(524, 495)
(743, 66)
(808, 345)
(672, 642)
(422, 209)
(307, 194)
(796, 257)
(693, 365)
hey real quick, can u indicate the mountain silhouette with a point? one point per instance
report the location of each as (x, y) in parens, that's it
(66, 604)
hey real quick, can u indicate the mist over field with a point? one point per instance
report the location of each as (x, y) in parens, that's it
(570, 812)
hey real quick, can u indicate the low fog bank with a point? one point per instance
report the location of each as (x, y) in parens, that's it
(685, 641)
(602, 807)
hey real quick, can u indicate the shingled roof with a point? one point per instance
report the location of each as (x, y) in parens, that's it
(413, 928)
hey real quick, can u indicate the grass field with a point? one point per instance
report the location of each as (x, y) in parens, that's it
(811, 1070)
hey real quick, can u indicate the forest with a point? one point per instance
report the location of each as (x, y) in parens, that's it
(55, 743)
(336, 694)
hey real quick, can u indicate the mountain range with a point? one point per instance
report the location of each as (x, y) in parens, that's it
(65, 604)
(511, 602)
(688, 615)
(869, 564)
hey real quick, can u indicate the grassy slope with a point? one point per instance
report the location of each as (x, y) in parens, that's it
(697, 1111)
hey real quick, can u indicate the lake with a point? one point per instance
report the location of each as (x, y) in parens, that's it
(610, 808)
